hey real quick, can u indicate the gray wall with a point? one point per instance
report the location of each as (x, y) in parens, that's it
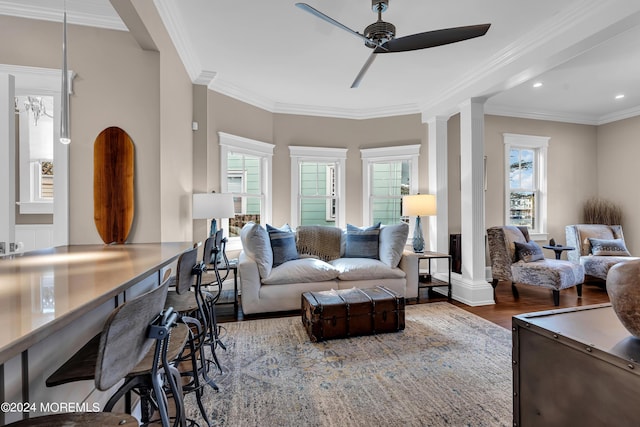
(148, 94)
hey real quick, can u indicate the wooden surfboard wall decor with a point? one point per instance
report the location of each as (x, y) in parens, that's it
(113, 204)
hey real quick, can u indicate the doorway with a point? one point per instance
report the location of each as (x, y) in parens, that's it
(35, 194)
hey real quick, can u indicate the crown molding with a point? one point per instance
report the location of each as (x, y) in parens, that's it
(619, 115)
(554, 116)
(89, 19)
(487, 76)
(168, 14)
(347, 113)
(231, 90)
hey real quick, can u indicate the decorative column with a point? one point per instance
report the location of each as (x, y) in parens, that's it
(475, 289)
(437, 152)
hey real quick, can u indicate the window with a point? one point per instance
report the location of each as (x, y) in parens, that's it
(388, 174)
(526, 182)
(317, 186)
(246, 173)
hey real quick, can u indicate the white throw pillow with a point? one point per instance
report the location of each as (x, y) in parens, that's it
(303, 270)
(256, 244)
(365, 269)
(393, 239)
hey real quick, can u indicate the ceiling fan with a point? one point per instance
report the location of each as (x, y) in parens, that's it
(381, 36)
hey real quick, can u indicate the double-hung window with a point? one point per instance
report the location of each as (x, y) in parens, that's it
(526, 182)
(388, 174)
(246, 173)
(317, 186)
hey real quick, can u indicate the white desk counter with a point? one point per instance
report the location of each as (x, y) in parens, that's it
(54, 300)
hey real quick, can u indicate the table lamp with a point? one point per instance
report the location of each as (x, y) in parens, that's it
(214, 206)
(418, 205)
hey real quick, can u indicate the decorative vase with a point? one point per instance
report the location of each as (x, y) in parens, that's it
(623, 287)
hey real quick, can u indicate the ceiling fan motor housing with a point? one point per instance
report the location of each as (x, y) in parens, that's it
(379, 32)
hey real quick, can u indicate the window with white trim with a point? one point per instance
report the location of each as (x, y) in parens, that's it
(317, 186)
(245, 169)
(526, 182)
(388, 174)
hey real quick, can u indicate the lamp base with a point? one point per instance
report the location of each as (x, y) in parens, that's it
(214, 228)
(418, 240)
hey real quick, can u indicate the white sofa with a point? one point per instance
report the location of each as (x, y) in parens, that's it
(324, 263)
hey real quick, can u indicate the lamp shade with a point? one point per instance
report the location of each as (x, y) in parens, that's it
(213, 205)
(419, 205)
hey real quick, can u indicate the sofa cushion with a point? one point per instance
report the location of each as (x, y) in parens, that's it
(365, 269)
(283, 244)
(362, 242)
(392, 241)
(614, 247)
(303, 270)
(256, 244)
(529, 252)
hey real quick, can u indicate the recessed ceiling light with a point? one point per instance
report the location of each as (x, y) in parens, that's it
(620, 96)
(537, 84)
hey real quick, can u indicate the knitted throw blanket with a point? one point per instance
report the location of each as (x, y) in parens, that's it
(320, 241)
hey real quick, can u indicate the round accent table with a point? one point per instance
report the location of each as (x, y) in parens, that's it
(558, 249)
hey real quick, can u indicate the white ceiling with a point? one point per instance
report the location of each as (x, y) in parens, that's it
(276, 56)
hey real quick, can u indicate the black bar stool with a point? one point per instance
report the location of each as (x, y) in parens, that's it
(194, 306)
(125, 342)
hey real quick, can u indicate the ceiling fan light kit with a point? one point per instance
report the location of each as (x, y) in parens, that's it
(381, 36)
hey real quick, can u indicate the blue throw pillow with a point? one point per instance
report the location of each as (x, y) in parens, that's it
(362, 242)
(283, 244)
(529, 252)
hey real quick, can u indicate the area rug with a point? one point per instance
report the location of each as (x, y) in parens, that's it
(447, 368)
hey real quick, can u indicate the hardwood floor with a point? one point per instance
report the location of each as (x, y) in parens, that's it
(526, 299)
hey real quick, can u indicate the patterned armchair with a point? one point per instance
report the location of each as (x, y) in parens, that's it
(514, 258)
(598, 247)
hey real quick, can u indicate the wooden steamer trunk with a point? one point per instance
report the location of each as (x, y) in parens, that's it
(351, 312)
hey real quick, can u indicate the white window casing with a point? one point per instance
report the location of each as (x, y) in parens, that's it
(264, 151)
(370, 156)
(338, 157)
(539, 144)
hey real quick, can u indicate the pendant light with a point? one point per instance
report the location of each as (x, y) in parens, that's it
(65, 138)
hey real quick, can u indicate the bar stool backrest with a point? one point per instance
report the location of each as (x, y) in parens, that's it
(184, 272)
(124, 342)
(209, 245)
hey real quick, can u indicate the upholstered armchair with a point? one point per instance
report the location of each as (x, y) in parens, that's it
(598, 247)
(516, 259)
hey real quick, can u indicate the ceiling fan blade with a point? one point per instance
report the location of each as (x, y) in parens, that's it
(363, 70)
(332, 21)
(434, 38)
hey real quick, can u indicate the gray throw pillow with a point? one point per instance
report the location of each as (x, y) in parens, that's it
(608, 247)
(529, 252)
(393, 239)
(255, 242)
(362, 242)
(283, 244)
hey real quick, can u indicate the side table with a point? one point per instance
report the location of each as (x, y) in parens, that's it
(426, 281)
(233, 267)
(558, 249)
